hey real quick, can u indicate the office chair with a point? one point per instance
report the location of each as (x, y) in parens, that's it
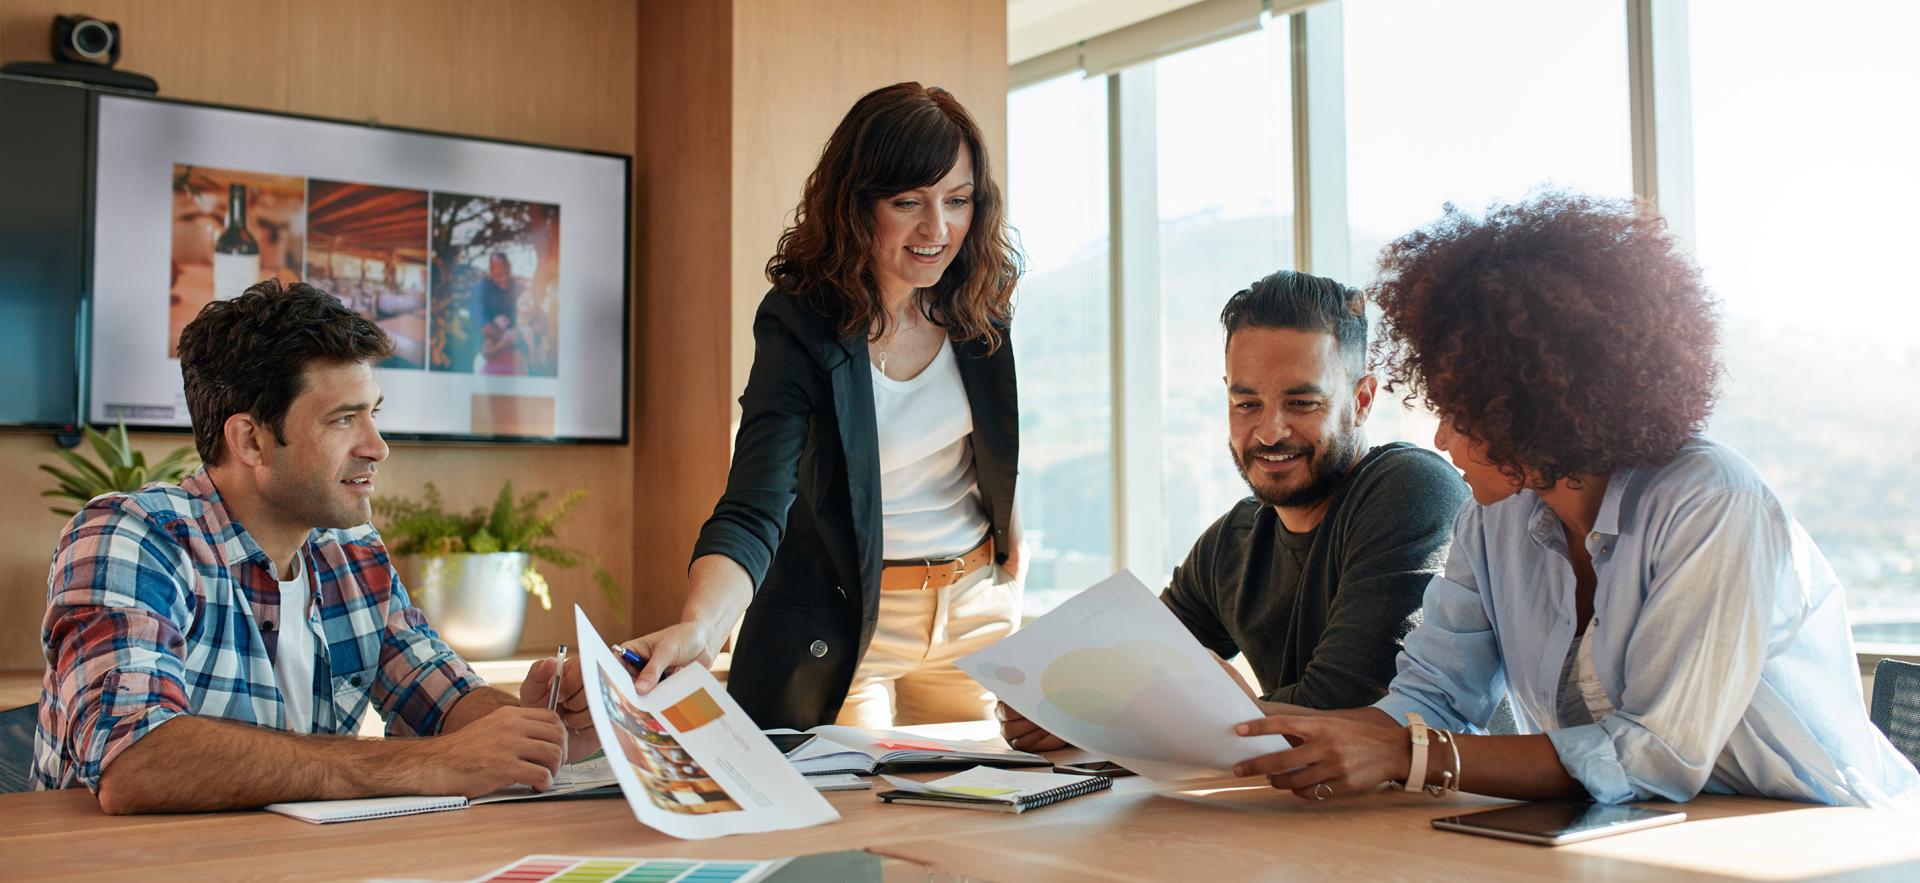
(1896, 705)
(16, 748)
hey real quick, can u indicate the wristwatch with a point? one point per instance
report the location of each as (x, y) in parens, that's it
(1417, 731)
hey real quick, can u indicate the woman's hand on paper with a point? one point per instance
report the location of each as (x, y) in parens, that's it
(1348, 756)
(669, 649)
(582, 738)
(1022, 734)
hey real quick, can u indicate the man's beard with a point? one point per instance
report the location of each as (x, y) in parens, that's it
(313, 502)
(1325, 469)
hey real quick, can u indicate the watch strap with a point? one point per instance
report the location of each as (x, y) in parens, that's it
(1417, 733)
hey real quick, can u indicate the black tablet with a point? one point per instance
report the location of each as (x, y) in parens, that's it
(788, 743)
(1551, 824)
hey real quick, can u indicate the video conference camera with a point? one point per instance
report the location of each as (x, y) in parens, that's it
(83, 39)
(85, 50)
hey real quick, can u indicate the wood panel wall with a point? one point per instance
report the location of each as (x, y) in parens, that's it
(684, 169)
(560, 73)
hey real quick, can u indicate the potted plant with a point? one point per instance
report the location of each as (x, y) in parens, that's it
(474, 570)
(121, 468)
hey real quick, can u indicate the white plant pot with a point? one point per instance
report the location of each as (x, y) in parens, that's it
(475, 602)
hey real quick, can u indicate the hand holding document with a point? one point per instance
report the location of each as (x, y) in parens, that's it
(692, 764)
(1113, 671)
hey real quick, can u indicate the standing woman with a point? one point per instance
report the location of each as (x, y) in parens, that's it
(868, 529)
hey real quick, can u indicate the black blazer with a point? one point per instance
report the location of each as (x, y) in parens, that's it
(802, 508)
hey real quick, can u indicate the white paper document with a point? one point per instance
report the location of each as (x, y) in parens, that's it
(574, 778)
(1114, 672)
(692, 764)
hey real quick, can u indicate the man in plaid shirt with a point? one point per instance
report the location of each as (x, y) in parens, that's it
(214, 645)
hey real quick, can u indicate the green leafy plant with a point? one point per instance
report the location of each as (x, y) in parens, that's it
(426, 527)
(121, 468)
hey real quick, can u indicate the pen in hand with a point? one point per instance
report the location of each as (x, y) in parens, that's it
(628, 656)
(553, 690)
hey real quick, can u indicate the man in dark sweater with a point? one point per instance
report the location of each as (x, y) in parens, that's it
(1318, 576)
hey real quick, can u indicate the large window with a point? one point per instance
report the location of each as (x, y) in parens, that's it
(1225, 200)
(1807, 171)
(1468, 102)
(1057, 200)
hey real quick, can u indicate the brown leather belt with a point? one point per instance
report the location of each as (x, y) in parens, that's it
(937, 573)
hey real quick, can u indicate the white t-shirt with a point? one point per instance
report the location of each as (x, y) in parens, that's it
(293, 660)
(929, 494)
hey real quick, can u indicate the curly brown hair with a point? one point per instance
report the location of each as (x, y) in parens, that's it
(898, 138)
(1567, 333)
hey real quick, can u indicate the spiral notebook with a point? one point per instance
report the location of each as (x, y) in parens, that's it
(326, 812)
(993, 789)
(581, 778)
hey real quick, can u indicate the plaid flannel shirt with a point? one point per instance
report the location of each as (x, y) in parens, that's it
(159, 605)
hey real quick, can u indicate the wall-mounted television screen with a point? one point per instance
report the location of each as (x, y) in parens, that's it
(498, 269)
(43, 236)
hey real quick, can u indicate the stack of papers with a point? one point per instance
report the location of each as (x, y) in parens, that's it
(839, 782)
(861, 752)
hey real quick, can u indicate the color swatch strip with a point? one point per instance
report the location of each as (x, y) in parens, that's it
(598, 869)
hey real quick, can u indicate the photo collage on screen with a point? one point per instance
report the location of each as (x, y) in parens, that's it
(463, 284)
(231, 229)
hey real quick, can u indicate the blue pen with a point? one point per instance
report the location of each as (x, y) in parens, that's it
(628, 656)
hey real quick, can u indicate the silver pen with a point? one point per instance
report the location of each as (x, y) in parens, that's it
(553, 690)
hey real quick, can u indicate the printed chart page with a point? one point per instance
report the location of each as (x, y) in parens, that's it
(1114, 672)
(692, 764)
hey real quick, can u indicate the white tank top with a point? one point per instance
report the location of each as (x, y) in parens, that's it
(929, 493)
(1581, 698)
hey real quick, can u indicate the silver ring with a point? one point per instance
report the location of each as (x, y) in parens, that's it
(1322, 791)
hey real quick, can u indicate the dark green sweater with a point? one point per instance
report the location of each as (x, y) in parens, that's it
(1321, 615)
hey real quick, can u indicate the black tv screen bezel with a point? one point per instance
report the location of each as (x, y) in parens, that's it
(82, 328)
(626, 268)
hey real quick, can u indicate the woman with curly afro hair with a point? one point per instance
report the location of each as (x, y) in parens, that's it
(1660, 622)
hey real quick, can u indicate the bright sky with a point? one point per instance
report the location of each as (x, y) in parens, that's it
(1807, 126)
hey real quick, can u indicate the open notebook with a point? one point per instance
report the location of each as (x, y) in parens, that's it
(991, 789)
(576, 778)
(864, 752)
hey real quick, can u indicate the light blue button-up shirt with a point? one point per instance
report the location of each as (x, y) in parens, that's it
(1720, 636)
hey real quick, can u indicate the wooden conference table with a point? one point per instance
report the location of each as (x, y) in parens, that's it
(1225, 830)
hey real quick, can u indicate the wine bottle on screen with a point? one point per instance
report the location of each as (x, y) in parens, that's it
(236, 254)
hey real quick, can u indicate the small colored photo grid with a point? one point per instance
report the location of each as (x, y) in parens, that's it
(570, 869)
(673, 780)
